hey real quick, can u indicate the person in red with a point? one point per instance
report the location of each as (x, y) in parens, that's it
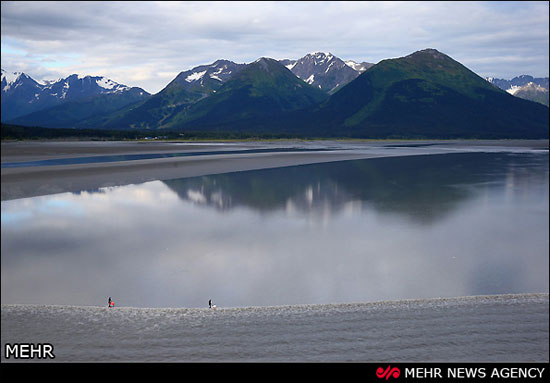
(111, 302)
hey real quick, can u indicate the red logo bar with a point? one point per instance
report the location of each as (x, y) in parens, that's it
(388, 372)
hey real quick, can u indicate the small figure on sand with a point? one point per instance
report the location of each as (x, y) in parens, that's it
(111, 302)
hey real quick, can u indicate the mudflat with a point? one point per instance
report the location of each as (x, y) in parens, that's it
(30, 181)
(40, 150)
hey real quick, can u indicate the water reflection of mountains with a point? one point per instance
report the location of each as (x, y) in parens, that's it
(424, 188)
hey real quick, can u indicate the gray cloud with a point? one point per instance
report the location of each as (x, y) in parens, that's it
(147, 43)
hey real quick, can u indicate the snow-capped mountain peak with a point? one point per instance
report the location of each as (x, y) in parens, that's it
(322, 70)
(11, 80)
(10, 77)
(319, 58)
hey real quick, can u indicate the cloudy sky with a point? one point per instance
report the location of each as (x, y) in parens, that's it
(147, 44)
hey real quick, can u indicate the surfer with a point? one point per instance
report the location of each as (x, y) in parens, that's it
(209, 303)
(111, 303)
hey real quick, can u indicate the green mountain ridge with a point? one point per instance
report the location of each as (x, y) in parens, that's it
(263, 89)
(428, 94)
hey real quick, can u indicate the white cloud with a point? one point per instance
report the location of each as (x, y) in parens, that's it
(139, 43)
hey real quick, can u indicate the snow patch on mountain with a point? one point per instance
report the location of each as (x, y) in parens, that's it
(290, 66)
(513, 89)
(195, 76)
(359, 67)
(108, 84)
(217, 72)
(48, 83)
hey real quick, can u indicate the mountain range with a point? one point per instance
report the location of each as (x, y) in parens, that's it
(524, 86)
(64, 101)
(426, 94)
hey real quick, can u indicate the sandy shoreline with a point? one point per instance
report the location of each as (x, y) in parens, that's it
(503, 297)
(43, 180)
(496, 328)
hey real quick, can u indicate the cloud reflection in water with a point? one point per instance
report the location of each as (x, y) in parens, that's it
(388, 228)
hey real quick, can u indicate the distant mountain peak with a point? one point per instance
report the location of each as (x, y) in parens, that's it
(323, 70)
(12, 80)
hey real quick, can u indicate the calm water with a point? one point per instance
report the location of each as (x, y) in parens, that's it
(353, 231)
